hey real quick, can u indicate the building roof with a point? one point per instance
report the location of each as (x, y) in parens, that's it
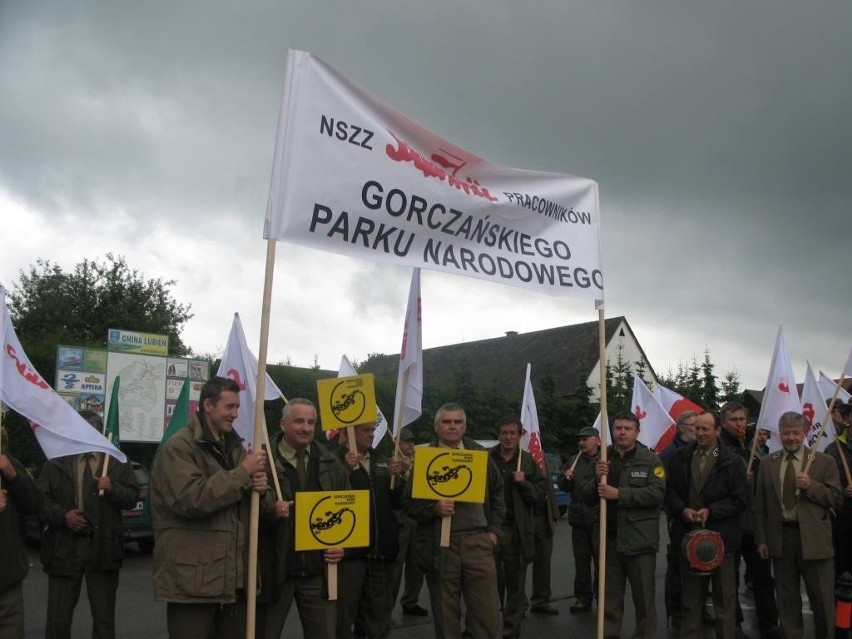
(568, 353)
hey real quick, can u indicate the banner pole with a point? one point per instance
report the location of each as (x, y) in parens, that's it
(602, 503)
(259, 425)
(397, 421)
(106, 465)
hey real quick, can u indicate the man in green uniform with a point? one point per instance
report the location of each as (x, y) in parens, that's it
(634, 494)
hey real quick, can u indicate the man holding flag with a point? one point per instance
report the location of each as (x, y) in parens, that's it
(200, 492)
(84, 536)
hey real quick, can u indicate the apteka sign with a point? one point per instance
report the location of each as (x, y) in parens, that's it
(352, 175)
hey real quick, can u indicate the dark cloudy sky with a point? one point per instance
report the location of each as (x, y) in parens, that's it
(719, 133)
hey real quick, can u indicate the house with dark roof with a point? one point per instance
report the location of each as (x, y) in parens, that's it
(570, 354)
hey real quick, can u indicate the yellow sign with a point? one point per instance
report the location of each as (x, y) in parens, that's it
(332, 520)
(447, 473)
(347, 401)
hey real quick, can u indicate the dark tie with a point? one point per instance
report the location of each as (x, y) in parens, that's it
(788, 492)
(301, 467)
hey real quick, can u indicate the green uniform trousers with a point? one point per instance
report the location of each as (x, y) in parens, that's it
(638, 570)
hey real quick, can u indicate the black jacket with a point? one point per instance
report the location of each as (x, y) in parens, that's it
(59, 550)
(384, 526)
(724, 494)
(24, 498)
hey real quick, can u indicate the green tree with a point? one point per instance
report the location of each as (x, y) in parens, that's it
(709, 390)
(731, 387)
(50, 307)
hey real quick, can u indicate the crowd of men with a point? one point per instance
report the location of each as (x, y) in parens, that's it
(782, 514)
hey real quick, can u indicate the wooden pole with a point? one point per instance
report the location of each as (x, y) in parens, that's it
(106, 465)
(269, 460)
(332, 582)
(753, 451)
(259, 425)
(397, 420)
(602, 502)
(576, 459)
(446, 525)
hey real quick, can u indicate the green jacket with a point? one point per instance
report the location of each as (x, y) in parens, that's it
(427, 537)
(583, 509)
(641, 493)
(61, 552)
(525, 497)
(200, 497)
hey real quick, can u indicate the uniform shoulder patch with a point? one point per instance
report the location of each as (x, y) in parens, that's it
(659, 472)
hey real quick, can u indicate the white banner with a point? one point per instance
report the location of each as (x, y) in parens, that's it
(58, 428)
(352, 175)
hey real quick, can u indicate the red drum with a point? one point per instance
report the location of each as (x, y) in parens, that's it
(704, 550)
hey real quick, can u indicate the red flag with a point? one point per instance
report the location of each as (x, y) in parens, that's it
(657, 427)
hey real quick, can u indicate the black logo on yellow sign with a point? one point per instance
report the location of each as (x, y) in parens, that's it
(448, 480)
(332, 527)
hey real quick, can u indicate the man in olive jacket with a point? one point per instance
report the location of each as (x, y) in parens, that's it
(793, 527)
(19, 496)
(523, 488)
(634, 493)
(578, 479)
(83, 535)
(200, 494)
(466, 568)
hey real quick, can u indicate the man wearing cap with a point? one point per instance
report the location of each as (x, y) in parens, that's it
(706, 488)
(523, 488)
(793, 527)
(406, 562)
(634, 493)
(578, 479)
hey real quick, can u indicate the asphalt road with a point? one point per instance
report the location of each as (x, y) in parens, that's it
(139, 616)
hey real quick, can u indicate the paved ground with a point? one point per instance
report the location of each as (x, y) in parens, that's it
(140, 617)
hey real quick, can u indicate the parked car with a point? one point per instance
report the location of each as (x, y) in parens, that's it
(135, 529)
(554, 465)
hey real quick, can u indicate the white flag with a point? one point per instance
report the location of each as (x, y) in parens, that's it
(657, 428)
(58, 428)
(409, 380)
(847, 367)
(815, 411)
(780, 394)
(675, 403)
(347, 370)
(352, 175)
(827, 386)
(240, 364)
(531, 441)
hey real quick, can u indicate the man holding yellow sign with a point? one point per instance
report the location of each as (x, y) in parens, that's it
(454, 481)
(302, 465)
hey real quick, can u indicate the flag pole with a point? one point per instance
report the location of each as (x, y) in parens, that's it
(106, 465)
(397, 420)
(259, 421)
(602, 502)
